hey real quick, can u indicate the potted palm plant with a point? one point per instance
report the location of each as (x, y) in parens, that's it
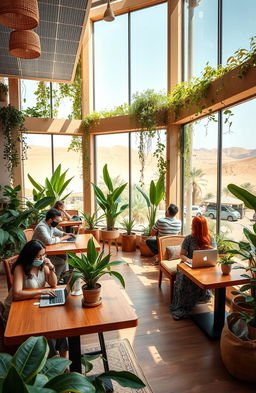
(109, 203)
(89, 268)
(153, 199)
(91, 222)
(128, 238)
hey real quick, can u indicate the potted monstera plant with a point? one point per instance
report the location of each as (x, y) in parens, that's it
(89, 268)
(109, 202)
(153, 199)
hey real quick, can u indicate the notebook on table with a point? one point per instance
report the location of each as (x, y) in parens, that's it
(58, 300)
(203, 258)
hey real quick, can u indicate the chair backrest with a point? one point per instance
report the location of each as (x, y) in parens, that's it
(165, 241)
(1, 327)
(28, 234)
(8, 267)
(72, 212)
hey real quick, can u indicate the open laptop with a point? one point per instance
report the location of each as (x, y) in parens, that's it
(203, 258)
(58, 300)
(70, 240)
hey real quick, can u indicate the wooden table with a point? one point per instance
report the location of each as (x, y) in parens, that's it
(79, 245)
(212, 278)
(71, 320)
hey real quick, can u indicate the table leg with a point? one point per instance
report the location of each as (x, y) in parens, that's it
(212, 323)
(75, 353)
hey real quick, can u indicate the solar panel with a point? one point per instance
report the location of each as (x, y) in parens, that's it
(60, 30)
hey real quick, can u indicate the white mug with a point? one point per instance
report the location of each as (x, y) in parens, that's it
(77, 288)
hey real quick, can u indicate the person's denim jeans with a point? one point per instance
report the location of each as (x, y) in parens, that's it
(152, 245)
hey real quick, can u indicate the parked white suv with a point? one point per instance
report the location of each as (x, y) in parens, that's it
(195, 210)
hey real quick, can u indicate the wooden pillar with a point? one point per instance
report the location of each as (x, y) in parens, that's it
(87, 107)
(173, 173)
(14, 100)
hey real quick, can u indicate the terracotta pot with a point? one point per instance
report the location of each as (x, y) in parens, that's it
(238, 304)
(109, 235)
(251, 332)
(226, 268)
(129, 242)
(238, 356)
(91, 296)
(144, 250)
(95, 232)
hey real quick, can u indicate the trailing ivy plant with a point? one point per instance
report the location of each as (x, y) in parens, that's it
(12, 124)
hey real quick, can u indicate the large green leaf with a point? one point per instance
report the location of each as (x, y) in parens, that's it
(107, 178)
(38, 186)
(19, 234)
(118, 191)
(5, 363)
(92, 253)
(31, 357)
(56, 174)
(119, 277)
(160, 190)
(65, 185)
(13, 382)
(2, 236)
(72, 382)
(250, 236)
(38, 389)
(124, 378)
(99, 194)
(244, 195)
(43, 203)
(55, 366)
(144, 195)
(152, 193)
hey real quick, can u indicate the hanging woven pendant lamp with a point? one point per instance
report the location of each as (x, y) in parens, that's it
(109, 15)
(19, 14)
(24, 44)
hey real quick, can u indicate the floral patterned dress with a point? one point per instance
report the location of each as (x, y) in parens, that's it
(187, 293)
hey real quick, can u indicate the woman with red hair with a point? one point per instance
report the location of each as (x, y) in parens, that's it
(186, 293)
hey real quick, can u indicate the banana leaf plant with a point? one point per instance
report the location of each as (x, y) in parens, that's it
(53, 187)
(30, 371)
(156, 195)
(247, 250)
(12, 224)
(109, 202)
(92, 266)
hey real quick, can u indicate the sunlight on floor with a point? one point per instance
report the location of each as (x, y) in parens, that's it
(155, 355)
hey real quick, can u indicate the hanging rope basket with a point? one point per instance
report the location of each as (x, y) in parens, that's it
(19, 14)
(24, 44)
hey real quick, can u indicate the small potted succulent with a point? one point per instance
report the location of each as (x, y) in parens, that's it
(91, 222)
(226, 263)
(89, 268)
(128, 238)
(3, 92)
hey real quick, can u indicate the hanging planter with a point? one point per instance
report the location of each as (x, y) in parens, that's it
(19, 14)
(24, 44)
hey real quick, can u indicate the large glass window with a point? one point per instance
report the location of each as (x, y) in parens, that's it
(200, 172)
(200, 35)
(239, 166)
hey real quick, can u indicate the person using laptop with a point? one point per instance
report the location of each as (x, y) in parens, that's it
(47, 233)
(187, 293)
(168, 225)
(33, 270)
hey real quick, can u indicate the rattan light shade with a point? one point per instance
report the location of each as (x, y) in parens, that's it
(19, 14)
(24, 44)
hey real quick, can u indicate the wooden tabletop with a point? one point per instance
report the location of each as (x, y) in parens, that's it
(79, 245)
(212, 277)
(71, 222)
(26, 319)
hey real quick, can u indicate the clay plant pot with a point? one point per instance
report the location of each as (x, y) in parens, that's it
(226, 268)
(251, 332)
(109, 235)
(129, 242)
(238, 305)
(91, 296)
(95, 232)
(144, 250)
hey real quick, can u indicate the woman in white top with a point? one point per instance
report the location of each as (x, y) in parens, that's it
(33, 270)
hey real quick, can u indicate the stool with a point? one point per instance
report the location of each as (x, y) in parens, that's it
(109, 244)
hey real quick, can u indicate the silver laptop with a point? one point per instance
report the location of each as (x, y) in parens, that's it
(70, 240)
(203, 258)
(58, 300)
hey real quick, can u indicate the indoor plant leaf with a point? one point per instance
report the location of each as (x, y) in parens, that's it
(72, 382)
(5, 363)
(55, 366)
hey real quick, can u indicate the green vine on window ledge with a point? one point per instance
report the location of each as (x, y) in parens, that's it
(12, 124)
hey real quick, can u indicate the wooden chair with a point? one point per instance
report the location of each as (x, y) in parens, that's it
(28, 233)
(166, 266)
(4, 348)
(7, 267)
(72, 212)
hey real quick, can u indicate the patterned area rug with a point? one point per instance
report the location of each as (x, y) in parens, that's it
(120, 357)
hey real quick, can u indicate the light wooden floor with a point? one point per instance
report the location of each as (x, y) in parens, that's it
(176, 356)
